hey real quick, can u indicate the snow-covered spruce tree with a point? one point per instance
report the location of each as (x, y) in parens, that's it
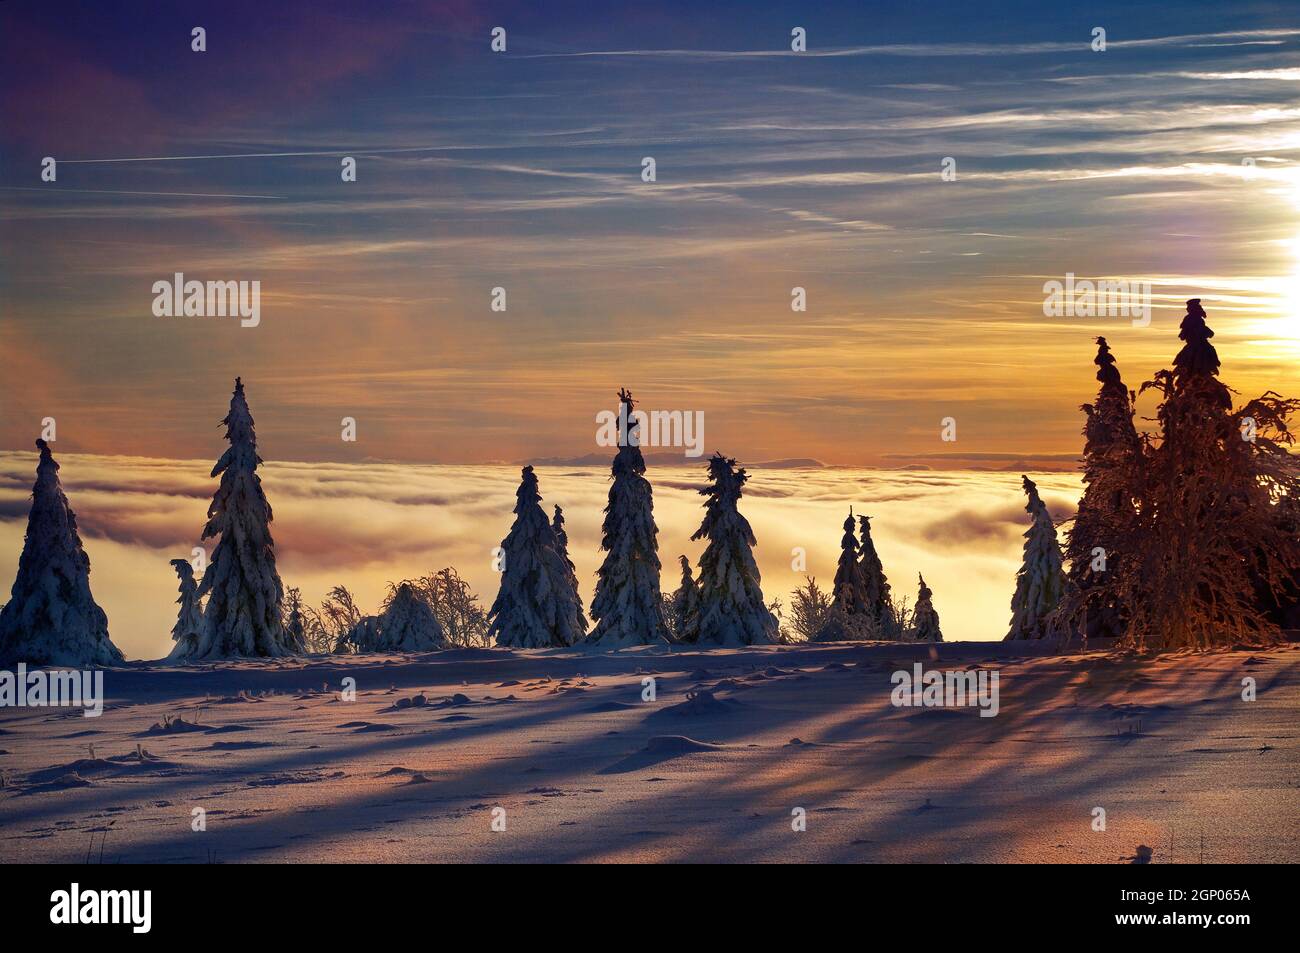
(51, 617)
(849, 589)
(537, 605)
(562, 547)
(1040, 580)
(628, 605)
(732, 610)
(243, 588)
(407, 624)
(189, 618)
(686, 606)
(1095, 540)
(925, 619)
(360, 636)
(879, 603)
(848, 618)
(295, 619)
(1213, 548)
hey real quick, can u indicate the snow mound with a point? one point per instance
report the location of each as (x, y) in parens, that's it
(611, 706)
(698, 704)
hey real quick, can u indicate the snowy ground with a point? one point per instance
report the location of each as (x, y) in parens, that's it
(587, 771)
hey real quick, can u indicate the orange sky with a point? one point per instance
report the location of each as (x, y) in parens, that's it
(523, 171)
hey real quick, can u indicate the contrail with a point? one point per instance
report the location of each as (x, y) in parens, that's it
(1241, 37)
(260, 155)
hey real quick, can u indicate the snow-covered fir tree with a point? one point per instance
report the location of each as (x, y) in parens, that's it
(925, 619)
(848, 618)
(628, 604)
(562, 547)
(51, 617)
(1040, 580)
(361, 636)
(849, 591)
(1106, 512)
(295, 619)
(242, 586)
(1213, 555)
(407, 624)
(879, 603)
(732, 610)
(561, 535)
(686, 606)
(841, 626)
(189, 618)
(537, 605)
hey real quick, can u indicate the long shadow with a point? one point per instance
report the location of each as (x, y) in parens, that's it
(490, 772)
(881, 723)
(389, 745)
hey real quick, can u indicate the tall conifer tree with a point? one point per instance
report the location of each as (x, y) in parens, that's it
(1212, 547)
(686, 606)
(849, 617)
(1040, 581)
(732, 610)
(562, 547)
(628, 604)
(849, 590)
(536, 606)
(51, 617)
(879, 602)
(243, 617)
(1096, 538)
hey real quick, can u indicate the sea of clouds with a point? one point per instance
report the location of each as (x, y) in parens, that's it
(363, 525)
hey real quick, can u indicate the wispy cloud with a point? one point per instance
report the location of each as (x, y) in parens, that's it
(1242, 37)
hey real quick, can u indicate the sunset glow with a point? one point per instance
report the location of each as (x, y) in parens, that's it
(774, 171)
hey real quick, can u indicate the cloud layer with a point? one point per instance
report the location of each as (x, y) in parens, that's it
(363, 526)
